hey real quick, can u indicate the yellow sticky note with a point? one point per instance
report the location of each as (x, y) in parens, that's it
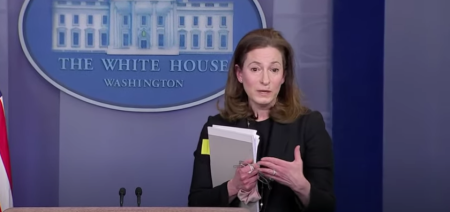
(205, 147)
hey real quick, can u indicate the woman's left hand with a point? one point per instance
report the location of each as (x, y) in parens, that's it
(287, 173)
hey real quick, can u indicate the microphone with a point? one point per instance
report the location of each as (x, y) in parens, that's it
(138, 193)
(122, 193)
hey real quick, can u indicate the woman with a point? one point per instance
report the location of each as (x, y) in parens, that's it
(295, 150)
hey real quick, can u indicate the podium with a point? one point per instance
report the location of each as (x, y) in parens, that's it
(123, 209)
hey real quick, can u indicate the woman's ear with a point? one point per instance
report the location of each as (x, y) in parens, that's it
(284, 77)
(238, 72)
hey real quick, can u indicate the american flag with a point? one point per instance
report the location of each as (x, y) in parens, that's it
(6, 199)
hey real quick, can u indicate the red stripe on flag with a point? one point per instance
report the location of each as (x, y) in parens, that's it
(4, 148)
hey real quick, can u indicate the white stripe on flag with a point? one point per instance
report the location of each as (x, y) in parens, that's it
(6, 200)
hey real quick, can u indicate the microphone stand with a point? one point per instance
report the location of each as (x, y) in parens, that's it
(138, 193)
(122, 192)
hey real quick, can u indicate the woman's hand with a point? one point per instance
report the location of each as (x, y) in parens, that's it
(288, 173)
(245, 178)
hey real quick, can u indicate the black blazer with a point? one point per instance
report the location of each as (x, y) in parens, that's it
(309, 132)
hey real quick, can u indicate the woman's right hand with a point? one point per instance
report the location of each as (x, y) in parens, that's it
(244, 178)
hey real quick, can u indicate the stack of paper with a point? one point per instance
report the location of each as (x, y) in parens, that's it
(228, 146)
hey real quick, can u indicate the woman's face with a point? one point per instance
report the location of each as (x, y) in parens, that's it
(262, 76)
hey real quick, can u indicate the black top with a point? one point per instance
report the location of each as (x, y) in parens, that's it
(263, 130)
(308, 131)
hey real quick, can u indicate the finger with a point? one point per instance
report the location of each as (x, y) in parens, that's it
(278, 172)
(269, 172)
(250, 180)
(248, 170)
(238, 171)
(280, 180)
(249, 161)
(244, 176)
(256, 166)
(251, 184)
(297, 153)
(275, 161)
(267, 164)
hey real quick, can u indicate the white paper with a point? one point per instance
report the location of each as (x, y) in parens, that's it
(228, 146)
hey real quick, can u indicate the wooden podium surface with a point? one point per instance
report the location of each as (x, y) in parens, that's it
(125, 209)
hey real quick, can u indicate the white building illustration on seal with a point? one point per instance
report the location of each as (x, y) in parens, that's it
(142, 27)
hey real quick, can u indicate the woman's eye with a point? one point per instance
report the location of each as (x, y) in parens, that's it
(254, 69)
(275, 70)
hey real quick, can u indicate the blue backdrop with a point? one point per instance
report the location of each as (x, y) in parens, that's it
(66, 152)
